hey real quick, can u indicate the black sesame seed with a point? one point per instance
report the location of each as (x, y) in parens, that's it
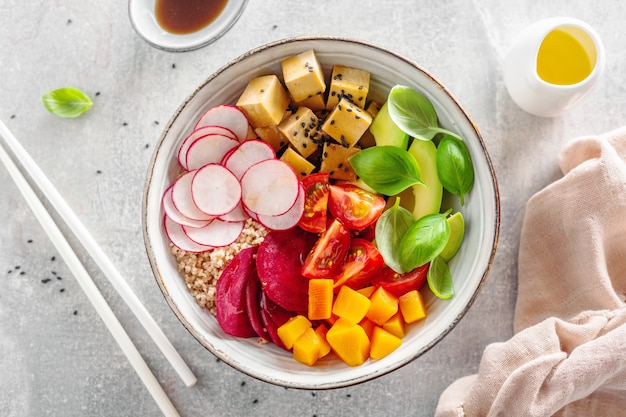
(332, 122)
(332, 93)
(262, 90)
(62, 290)
(304, 145)
(345, 169)
(243, 383)
(340, 165)
(303, 124)
(54, 258)
(302, 173)
(331, 172)
(357, 117)
(360, 87)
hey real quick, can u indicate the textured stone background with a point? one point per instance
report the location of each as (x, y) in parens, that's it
(57, 358)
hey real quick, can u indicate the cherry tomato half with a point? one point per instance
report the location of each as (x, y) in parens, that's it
(328, 253)
(399, 284)
(355, 207)
(316, 188)
(362, 262)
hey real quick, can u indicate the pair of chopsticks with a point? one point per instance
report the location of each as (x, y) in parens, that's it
(71, 259)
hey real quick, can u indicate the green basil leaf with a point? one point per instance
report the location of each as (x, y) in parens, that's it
(388, 170)
(424, 240)
(390, 229)
(66, 102)
(455, 168)
(413, 113)
(440, 279)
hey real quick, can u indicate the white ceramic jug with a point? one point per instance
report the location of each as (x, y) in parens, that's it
(531, 92)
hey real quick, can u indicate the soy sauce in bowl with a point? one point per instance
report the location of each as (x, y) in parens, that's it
(188, 16)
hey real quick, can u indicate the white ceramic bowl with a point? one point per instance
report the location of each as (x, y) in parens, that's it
(143, 19)
(469, 267)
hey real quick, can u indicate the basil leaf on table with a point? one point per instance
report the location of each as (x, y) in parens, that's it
(68, 102)
(414, 113)
(424, 240)
(388, 170)
(455, 168)
(390, 229)
(440, 279)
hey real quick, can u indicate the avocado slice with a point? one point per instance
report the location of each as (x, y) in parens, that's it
(457, 231)
(386, 132)
(427, 199)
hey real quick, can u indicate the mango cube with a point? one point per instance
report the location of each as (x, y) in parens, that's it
(383, 343)
(346, 123)
(383, 306)
(293, 329)
(320, 298)
(300, 165)
(300, 128)
(325, 348)
(349, 341)
(303, 76)
(368, 326)
(350, 305)
(307, 347)
(335, 161)
(348, 83)
(412, 306)
(264, 101)
(396, 325)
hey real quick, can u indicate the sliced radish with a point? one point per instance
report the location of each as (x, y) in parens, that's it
(215, 190)
(217, 233)
(227, 116)
(247, 154)
(182, 198)
(235, 215)
(269, 188)
(179, 238)
(172, 212)
(287, 220)
(198, 133)
(209, 149)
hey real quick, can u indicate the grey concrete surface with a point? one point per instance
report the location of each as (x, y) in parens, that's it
(56, 356)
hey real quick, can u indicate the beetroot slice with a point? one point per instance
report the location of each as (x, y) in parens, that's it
(279, 261)
(253, 305)
(230, 296)
(273, 316)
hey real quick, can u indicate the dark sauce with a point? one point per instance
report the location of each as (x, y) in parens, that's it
(187, 16)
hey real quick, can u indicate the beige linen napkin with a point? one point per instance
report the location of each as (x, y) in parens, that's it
(568, 354)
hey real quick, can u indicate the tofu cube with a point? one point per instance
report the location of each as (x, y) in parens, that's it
(303, 76)
(373, 108)
(301, 166)
(349, 83)
(300, 128)
(264, 101)
(314, 103)
(335, 162)
(347, 123)
(272, 135)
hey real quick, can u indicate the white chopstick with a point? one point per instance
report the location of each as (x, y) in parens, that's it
(101, 259)
(88, 286)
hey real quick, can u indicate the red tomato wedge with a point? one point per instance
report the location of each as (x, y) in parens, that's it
(316, 188)
(362, 262)
(355, 207)
(399, 284)
(328, 253)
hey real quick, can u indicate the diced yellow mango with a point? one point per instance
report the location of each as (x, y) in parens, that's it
(383, 306)
(293, 329)
(368, 326)
(349, 341)
(335, 161)
(348, 83)
(346, 123)
(396, 325)
(412, 306)
(303, 75)
(366, 291)
(325, 348)
(383, 343)
(301, 166)
(350, 305)
(320, 298)
(264, 101)
(306, 348)
(300, 128)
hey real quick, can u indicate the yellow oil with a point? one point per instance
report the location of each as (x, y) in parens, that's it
(562, 59)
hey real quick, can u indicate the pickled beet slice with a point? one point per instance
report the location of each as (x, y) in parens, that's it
(279, 261)
(230, 297)
(253, 305)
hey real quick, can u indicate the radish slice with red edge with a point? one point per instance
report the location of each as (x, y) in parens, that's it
(183, 200)
(287, 220)
(215, 190)
(218, 233)
(235, 215)
(269, 188)
(179, 238)
(172, 212)
(227, 116)
(209, 149)
(196, 134)
(247, 154)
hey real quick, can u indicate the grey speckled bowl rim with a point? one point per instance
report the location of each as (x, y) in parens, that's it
(495, 226)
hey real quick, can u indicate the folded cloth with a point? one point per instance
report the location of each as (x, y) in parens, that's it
(568, 354)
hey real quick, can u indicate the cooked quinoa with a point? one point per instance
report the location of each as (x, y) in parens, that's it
(202, 270)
